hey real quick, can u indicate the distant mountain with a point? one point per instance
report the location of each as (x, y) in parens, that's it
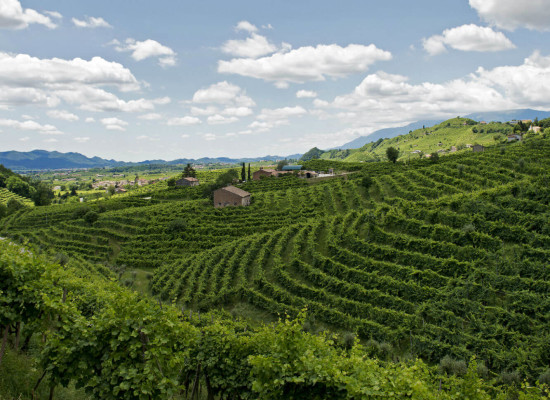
(502, 116)
(42, 159)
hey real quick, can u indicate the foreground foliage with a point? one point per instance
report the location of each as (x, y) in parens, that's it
(106, 340)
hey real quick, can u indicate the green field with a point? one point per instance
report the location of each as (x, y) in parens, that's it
(439, 261)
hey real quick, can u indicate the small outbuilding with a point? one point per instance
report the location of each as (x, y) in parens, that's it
(477, 148)
(292, 168)
(189, 181)
(513, 138)
(231, 196)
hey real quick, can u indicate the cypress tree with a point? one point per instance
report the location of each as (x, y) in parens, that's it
(243, 173)
(249, 171)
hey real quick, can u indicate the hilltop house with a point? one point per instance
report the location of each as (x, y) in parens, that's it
(231, 196)
(478, 148)
(534, 129)
(189, 181)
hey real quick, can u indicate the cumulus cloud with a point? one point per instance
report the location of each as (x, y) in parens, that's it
(210, 110)
(218, 119)
(183, 121)
(271, 118)
(150, 116)
(89, 120)
(146, 49)
(468, 38)
(209, 136)
(252, 47)
(31, 80)
(223, 93)
(246, 26)
(26, 71)
(307, 63)
(306, 94)
(383, 98)
(114, 124)
(512, 14)
(30, 125)
(91, 22)
(237, 111)
(82, 139)
(64, 115)
(13, 16)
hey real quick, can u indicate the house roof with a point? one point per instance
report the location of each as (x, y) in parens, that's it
(292, 167)
(235, 190)
(191, 179)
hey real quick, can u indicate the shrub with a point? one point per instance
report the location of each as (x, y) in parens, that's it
(176, 225)
(90, 217)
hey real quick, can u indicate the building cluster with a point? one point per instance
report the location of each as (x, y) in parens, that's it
(287, 169)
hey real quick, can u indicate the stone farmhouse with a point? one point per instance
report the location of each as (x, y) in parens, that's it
(231, 196)
(187, 182)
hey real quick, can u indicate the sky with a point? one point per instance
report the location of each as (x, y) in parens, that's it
(138, 80)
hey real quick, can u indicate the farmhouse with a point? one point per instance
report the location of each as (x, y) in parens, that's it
(187, 182)
(478, 148)
(263, 172)
(231, 196)
(535, 129)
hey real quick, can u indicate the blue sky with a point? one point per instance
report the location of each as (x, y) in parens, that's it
(136, 80)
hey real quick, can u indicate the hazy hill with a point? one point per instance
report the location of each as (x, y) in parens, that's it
(502, 116)
(42, 159)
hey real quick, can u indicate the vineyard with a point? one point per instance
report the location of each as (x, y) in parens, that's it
(425, 259)
(6, 195)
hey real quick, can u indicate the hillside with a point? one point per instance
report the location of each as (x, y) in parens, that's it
(428, 260)
(386, 133)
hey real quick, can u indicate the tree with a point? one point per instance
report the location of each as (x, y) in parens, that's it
(434, 157)
(249, 177)
(281, 164)
(392, 153)
(13, 205)
(90, 217)
(43, 195)
(243, 173)
(111, 190)
(3, 210)
(189, 172)
(18, 186)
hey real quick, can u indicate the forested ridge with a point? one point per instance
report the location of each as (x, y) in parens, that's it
(444, 261)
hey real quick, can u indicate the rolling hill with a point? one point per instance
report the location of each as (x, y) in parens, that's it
(428, 260)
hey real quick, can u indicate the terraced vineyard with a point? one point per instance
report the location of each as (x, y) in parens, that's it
(6, 195)
(436, 259)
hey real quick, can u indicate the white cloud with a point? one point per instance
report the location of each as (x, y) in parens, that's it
(91, 22)
(64, 115)
(26, 116)
(281, 113)
(307, 63)
(210, 110)
(146, 49)
(252, 47)
(209, 136)
(82, 139)
(183, 121)
(245, 26)
(95, 99)
(150, 116)
(162, 100)
(25, 139)
(468, 38)
(23, 70)
(223, 93)
(271, 118)
(50, 140)
(114, 124)
(185, 136)
(54, 14)
(30, 125)
(13, 16)
(237, 111)
(512, 14)
(306, 94)
(220, 120)
(382, 99)
(89, 120)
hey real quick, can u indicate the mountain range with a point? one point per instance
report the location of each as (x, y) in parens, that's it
(42, 159)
